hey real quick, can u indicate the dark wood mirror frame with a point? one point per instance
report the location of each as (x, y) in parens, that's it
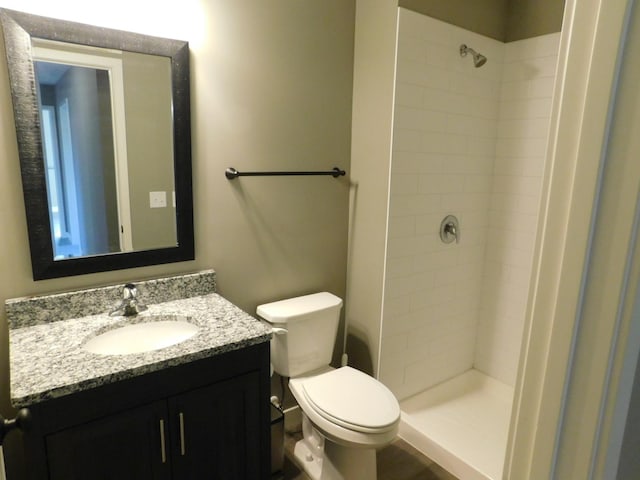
(18, 29)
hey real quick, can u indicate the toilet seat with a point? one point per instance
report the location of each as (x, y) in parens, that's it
(329, 428)
(345, 397)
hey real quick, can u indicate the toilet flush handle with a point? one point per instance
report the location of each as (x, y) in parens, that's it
(279, 331)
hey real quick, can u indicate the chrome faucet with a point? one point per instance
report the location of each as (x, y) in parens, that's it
(130, 304)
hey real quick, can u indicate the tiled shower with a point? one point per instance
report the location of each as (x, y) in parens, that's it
(469, 142)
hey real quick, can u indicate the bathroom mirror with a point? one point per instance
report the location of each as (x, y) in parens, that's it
(103, 128)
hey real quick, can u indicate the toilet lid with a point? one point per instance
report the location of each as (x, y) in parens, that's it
(352, 399)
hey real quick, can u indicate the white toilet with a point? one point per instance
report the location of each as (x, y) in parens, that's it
(346, 414)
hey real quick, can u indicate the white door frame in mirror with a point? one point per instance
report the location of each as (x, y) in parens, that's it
(50, 51)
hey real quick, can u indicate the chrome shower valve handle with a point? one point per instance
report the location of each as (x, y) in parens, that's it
(450, 229)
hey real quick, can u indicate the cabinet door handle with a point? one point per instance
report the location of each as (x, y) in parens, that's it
(182, 445)
(163, 451)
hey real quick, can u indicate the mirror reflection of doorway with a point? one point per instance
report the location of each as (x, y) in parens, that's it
(88, 209)
(60, 182)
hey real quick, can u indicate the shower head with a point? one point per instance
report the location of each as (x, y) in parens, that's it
(478, 59)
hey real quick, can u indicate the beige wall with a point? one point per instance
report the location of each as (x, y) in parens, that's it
(271, 89)
(486, 17)
(504, 20)
(531, 18)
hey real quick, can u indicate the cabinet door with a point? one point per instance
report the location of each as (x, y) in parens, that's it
(123, 446)
(218, 431)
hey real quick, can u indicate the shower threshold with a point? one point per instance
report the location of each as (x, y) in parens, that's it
(461, 424)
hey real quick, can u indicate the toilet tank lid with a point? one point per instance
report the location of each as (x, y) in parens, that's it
(290, 308)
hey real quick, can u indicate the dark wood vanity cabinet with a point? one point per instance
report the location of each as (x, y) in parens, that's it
(204, 420)
(228, 409)
(121, 445)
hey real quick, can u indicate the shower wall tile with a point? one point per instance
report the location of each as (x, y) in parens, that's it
(542, 46)
(444, 144)
(523, 125)
(527, 108)
(470, 142)
(412, 162)
(405, 183)
(402, 226)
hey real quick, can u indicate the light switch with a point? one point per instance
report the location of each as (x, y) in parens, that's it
(157, 199)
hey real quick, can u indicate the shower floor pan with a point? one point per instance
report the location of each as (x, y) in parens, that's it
(461, 424)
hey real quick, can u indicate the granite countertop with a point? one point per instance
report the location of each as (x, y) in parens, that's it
(47, 360)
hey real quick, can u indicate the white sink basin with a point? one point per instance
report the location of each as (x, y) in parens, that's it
(157, 332)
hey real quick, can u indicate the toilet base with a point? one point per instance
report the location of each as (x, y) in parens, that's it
(323, 459)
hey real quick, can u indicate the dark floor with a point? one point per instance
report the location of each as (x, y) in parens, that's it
(398, 461)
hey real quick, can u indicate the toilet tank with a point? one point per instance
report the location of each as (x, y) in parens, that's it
(309, 325)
